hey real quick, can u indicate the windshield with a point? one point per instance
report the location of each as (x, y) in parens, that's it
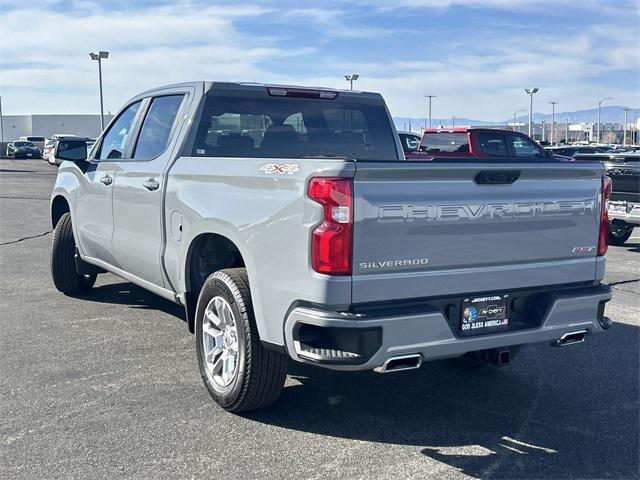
(445, 142)
(23, 144)
(286, 127)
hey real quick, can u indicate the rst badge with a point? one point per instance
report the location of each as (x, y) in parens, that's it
(284, 169)
(584, 249)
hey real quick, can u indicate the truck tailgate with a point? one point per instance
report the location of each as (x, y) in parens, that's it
(434, 229)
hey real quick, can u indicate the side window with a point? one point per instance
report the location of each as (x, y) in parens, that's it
(523, 147)
(493, 144)
(115, 140)
(297, 122)
(157, 125)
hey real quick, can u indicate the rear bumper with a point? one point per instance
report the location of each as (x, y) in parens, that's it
(628, 212)
(429, 334)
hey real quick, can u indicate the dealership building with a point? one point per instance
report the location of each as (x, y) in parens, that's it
(16, 126)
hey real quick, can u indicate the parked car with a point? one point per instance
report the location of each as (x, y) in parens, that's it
(410, 141)
(288, 224)
(48, 148)
(22, 149)
(475, 142)
(571, 151)
(624, 206)
(37, 141)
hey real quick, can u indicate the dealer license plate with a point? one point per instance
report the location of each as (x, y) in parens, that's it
(484, 314)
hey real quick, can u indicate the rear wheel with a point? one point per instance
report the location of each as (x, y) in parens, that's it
(619, 233)
(63, 261)
(239, 373)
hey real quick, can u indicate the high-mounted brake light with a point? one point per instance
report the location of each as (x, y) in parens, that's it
(604, 216)
(301, 93)
(331, 240)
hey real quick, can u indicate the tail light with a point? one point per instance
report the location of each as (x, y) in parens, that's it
(604, 216)
(331, 240)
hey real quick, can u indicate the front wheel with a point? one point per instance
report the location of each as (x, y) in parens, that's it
(63, 261)
(619, 233)
(239, 373)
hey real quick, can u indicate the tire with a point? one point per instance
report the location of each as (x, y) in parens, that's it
(258, 375)
(63, 263)
(619, 233)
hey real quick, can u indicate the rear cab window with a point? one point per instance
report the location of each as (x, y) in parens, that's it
(255, 123)
(445, 142)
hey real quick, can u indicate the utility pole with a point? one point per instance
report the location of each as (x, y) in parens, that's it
(553, 121)
(624, 134)
(453, 121)
(98, 57)
(599, 105)
(566, 131)
(429, 97)
(530, 92)
(351, 78)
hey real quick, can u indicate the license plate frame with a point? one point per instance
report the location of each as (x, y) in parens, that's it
(484, 314)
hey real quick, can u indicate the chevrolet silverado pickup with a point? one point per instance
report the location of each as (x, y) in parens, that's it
(288, 223)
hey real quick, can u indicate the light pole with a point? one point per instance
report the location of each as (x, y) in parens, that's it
(429, 97)
(530, 92)
(98, 57)
(351, 78)
(1, 125)
(599, 105)
(624, 129)
(566, 131)
(515, 115)
(553, 121)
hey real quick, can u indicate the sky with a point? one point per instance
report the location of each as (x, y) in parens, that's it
(476, 56)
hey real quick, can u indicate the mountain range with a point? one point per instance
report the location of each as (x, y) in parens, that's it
(608, 114)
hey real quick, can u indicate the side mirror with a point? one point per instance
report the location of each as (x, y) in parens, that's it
(72, 150)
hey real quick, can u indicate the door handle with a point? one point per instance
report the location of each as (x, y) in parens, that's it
(151, 184)
(107, 180)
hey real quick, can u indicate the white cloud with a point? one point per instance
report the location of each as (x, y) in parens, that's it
(49, 71)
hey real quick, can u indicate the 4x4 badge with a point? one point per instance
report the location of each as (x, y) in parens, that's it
(287, 168)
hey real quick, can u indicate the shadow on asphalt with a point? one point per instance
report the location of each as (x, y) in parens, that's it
(631, 247)
(542, 417)
(128, 294)
(554, 413)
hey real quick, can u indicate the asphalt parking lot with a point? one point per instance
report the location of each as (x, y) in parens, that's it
(107, 386)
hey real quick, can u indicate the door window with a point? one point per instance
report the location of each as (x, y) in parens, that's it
(493, 144)
(523, 147)
(114, 141)
(156, 129)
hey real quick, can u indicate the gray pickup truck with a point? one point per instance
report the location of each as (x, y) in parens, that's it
(288, 223)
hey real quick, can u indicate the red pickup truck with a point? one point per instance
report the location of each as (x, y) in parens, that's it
(475, 142)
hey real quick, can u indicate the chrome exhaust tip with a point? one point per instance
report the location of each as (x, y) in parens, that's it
(400, 363)
(570, 338)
